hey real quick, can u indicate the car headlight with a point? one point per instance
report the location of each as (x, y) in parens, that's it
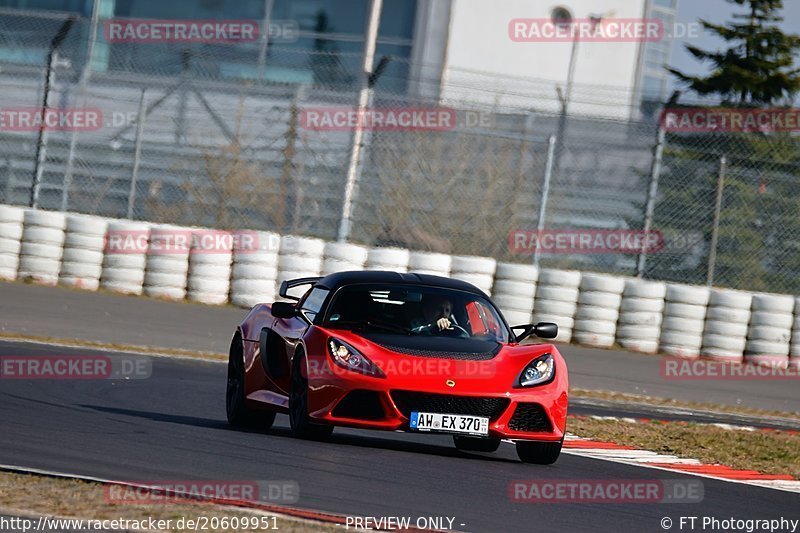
(348, 357)
(538, 371)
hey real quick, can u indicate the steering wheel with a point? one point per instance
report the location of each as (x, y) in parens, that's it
(461, 332)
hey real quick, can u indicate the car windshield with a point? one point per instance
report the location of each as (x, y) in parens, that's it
(417, 310)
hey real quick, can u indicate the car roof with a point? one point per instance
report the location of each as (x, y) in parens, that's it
(340, 279)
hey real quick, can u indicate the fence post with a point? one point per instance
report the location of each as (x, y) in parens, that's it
(548, 174)
(655, 173)
(364, 98)
(712, 253)
(137, 153)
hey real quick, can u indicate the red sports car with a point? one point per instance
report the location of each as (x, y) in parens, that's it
(407, 352)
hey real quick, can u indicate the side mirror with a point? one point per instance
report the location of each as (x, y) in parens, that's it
(543, 330)
(284, 310)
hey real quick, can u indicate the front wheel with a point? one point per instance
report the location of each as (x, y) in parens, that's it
(301, 424)
(476, 444)
(539, 453)
(239, 415)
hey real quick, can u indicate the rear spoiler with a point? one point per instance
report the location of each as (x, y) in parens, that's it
(290, 283)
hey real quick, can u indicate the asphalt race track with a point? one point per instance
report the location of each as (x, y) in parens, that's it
(172, 426)
(63, 313)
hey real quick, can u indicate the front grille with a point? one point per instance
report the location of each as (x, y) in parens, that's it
(435, 354)
(530, 417)
(408, 401)
(362, 404)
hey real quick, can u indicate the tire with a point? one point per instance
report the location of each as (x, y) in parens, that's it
(600, 283)
(302, 246)
(641, 305)
(642, 346)
(79, 255)
(600, 299)
(563, 322)
(769, 334)
(237, 412)
(518, 303)
(644, 333)
(215, 272)
(560, 278)
(539, 453)
(39, 235)
(11, 214)
(775, 320)
(86, 225)
(11, 230)
(299, 263)
(519, 289)
(266, 246)
(687, 311)
(429, 262)
(299, 420)
(472, 264)
(82, 241)
(684, 352)
(247, 271)
(253, 286)
(730, 299)
(517, 272)
(87, 284)
(560, 294)
(731, 315)
(387, 259)
(169, 293)
(637, 288)
(9, 262)
(517, 318)
(683, 325)
(759, 347)
(209, 298)
(597, 327)
(476, 444)
(593, 339)
(640, 319)
(773, 303)
(483, 281)
(10, 246)
(212, 259)
(590, 312)
(687, 294)
(720, 354)
(162, 279)
(168, 264)
(125, 261)
(554, 307)
(80, 270)
(264, 259)
(45, 219)
(677, 338)
(726, 343)
(332, 266)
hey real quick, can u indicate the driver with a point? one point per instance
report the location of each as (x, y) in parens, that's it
(438, 315)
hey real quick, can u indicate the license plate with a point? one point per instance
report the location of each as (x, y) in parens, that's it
(472, 425)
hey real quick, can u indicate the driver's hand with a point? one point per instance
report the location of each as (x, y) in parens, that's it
(444, 323)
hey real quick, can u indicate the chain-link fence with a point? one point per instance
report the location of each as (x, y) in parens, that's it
(222, 135)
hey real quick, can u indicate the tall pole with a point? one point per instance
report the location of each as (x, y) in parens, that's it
(712, 253)
(82, 82)
(655, 173)
(137, 154)
(262, 53)
(548, 174)
(353, 166)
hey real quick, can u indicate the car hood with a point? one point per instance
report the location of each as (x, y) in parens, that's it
(436, 347)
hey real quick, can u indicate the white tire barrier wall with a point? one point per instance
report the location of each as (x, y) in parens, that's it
(598, 310)
(300, 257)
(255, 272)
(126, 257)
(770, 331)
(514, 290)
(391, 259)
(557, 300)
(209, 280)
(641, 314)
(725, 328)
(84, 243)
(684, 320)
(430, 263)
(11, 227)
(167, 266)
(342, 257)
(42, 246)
(478, 271)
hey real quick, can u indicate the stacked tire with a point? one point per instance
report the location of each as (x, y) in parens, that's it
(684, 320)
(430, 263)
(514, 290)
(725, 329)
(478, 271)
(598, 310)
(167, 266)
(42, 246)
(209, 280)
(300, 257)
(84, 244)
(255, 272)
(557, 300)
(641, 314)
(125, 257)
(770, 331)
(343, 257)
(391, 259)
(11, 227)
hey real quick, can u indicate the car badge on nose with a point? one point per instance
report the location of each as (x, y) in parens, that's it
(450, 383)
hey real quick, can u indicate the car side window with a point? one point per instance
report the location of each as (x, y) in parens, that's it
(312, 304)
